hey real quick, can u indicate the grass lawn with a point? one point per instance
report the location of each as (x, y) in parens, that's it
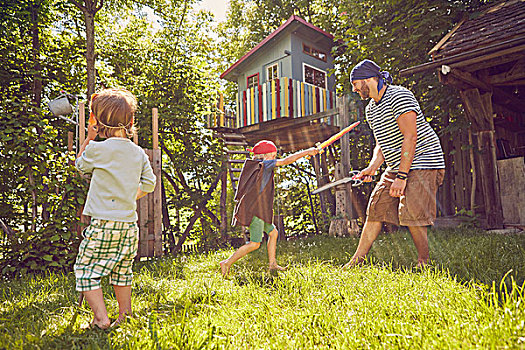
(184, 303)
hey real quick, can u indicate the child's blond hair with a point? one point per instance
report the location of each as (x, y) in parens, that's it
(114, 110)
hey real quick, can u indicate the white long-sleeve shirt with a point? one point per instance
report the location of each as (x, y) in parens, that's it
(119, 168)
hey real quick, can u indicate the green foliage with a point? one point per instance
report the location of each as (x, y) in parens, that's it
(40, 193)
(468, 300)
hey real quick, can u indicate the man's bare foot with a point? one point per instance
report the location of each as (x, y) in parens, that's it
(225, 268)
(275, 267)
(355, 261)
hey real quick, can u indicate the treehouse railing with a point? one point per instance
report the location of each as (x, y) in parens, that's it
(275, 99)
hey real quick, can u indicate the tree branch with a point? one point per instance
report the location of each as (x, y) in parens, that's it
(79, 5)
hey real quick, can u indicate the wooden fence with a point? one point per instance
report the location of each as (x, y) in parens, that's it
(149, 209)
(455, 194)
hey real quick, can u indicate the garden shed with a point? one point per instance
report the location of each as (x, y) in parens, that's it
(483, 57)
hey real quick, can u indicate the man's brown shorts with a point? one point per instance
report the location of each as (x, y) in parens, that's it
(417, 207)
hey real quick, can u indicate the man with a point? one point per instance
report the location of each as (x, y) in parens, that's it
(406, 192)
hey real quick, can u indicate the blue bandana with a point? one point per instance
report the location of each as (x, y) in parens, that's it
(368, 69)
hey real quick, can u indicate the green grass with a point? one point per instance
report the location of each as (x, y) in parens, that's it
(184, 303)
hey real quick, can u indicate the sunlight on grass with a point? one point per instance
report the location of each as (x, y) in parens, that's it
(184, 303)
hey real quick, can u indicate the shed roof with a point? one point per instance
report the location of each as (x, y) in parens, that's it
(501, 22)
(499, 28)
(286, 25)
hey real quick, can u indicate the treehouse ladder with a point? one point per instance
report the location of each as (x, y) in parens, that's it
(236, 151)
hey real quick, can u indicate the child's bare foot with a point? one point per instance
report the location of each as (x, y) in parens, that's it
(355, 261)
(421, 264)
(95, 324)
(120, 320)
(275, 267)
(225, 268)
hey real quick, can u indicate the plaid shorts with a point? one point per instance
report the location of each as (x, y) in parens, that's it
(108, 248)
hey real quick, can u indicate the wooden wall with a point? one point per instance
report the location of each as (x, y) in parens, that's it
(455, 192)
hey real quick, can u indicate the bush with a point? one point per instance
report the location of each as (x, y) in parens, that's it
(40, 193)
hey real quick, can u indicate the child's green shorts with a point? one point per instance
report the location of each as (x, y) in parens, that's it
(257, 227)
(108, 248)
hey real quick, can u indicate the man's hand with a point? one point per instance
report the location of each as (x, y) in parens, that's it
(366, 175)
(398, 188)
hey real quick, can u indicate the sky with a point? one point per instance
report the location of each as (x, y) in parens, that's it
(217, 7)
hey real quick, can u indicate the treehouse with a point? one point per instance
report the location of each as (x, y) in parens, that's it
(282, 80)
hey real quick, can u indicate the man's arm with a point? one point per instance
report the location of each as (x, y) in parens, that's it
(377, 159)
(297, 155)
(408, 127)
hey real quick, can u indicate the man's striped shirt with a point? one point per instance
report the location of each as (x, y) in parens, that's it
(382, 118)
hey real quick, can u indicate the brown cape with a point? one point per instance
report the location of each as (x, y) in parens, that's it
(251, 202)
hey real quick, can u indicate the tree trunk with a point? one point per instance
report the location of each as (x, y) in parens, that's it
(37, 80)
(90, 8)
(90, 52)
(37, 66)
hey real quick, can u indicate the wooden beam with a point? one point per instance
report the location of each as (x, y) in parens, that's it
(446, 37)
(478, 108)
(278, 123)
(490, 183)
(517, 72)
(511, 83)
(197, 212)
(470, 79)
(513, 102)
(476, 113)
(470, 57)
(495, 62)
(491, 60)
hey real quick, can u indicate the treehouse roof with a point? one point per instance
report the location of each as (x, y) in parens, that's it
(293, 24)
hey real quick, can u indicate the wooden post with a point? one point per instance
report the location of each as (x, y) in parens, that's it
(342, 225)
(479, 111)
(345, 222)
(317, 168)
(81, 123)
(222, 205)
(156, 163)
(344, 114)
(155, 127)
(70, 140)
(221, 110)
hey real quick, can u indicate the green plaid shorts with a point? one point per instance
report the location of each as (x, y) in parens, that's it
(108, 248)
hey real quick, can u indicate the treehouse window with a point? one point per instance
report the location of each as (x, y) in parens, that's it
(252, 81)
(314, 52)
(273, 72)
(314, 76)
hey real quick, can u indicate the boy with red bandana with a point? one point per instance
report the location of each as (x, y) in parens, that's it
(254, 197)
